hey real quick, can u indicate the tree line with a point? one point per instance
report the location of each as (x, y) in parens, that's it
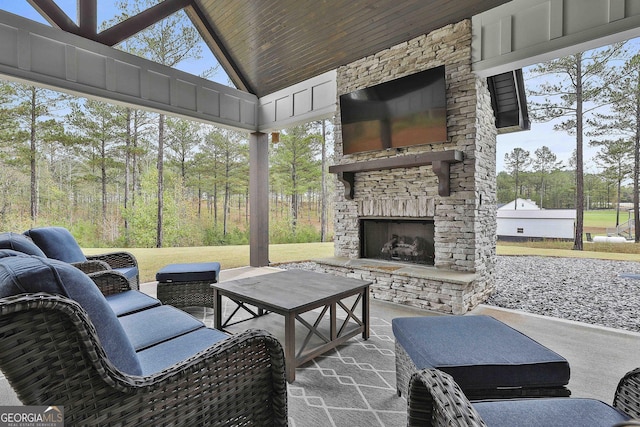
(94, 168)
(544, 179)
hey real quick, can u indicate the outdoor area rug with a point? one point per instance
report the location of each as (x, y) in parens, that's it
(351, 386)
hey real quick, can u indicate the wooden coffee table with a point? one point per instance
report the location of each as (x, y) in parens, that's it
(291, 293)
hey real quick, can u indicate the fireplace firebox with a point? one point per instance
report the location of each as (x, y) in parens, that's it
(397, 239)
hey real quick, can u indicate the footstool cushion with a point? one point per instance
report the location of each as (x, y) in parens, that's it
(486, 357)
(186, 285)
(191, 272)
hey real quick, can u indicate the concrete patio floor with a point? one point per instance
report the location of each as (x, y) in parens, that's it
(598, 356)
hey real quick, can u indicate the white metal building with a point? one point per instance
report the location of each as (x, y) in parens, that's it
(528, 221)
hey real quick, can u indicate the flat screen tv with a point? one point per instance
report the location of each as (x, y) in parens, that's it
(408, 111)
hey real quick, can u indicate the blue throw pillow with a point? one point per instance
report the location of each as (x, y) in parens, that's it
(20, 243)
(29, 274)
(57, 243)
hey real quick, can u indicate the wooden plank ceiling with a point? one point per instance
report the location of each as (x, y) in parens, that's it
(268, 45)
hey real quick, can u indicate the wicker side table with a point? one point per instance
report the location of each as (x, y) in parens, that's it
(187, 285)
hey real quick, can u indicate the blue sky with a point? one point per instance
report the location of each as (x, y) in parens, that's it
(561, 143)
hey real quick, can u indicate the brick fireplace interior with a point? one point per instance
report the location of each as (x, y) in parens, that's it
(397, 239)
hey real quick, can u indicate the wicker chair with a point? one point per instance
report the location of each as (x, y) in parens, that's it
(436, 400)
(53, 351)
(58, 243)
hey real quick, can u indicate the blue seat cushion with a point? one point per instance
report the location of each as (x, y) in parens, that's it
(20, 243)
(128, 272)
(480, 352)
(30, 274)
(556, 412)
(57, 243)
(193, 272)
(128, 302)
(156, 325)
(161, 356)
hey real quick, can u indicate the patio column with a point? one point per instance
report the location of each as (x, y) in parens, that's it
(258, 199)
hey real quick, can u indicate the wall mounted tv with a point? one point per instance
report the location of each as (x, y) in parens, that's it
(408, 111)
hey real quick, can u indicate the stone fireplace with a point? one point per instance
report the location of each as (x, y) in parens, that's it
(419, 222)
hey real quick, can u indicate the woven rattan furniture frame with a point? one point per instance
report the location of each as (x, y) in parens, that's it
(436, 400)
(186, 294)
(111, 260)
(405, 368)
(51, 355)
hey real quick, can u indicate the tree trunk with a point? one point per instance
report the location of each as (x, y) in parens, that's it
(323, 195)
(103, 180)
(577, 244)
(160, 179)
(636, 171)
(32, 158)
(618, 205)
(127, 175)
(225, 203)
(294, 200)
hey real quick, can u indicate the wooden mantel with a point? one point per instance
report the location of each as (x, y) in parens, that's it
(439, 161)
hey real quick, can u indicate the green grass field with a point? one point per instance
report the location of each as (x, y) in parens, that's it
(597, 222)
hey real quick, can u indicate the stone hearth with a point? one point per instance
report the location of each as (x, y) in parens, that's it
(463, 211)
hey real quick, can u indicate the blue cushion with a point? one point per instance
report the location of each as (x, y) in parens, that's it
(128, 302)
(29, 274)
(8, 252)
(480, 352)
(155, 325)
(556, 412)
(194, 272)
(163, 355)
(57, 243)
(128, 272)
(20, 243)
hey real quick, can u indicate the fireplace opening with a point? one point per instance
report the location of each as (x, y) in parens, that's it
(397, 239)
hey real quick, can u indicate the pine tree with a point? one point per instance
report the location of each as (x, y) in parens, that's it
(517, 162)
(573, 89)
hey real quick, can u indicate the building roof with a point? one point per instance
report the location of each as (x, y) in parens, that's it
(522, 204)
(538, 214)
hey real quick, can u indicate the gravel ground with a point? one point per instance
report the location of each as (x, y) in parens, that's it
(585, 290)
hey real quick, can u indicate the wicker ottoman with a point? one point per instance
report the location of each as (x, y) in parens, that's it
(487, 358)
(187, 285)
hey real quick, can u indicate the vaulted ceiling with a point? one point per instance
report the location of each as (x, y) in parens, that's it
(268, 45)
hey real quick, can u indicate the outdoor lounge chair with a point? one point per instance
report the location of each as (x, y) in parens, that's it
(58, 243)
(435, 399)
(61, 343)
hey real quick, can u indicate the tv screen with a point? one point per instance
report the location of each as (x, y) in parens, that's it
(411, 110)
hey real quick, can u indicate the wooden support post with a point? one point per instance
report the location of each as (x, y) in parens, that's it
(258, 199)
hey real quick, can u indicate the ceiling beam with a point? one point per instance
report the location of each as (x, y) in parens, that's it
(219, 50)
(88, 18)
(54, 15)
(139, 22)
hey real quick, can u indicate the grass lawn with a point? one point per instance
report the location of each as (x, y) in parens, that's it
(596, 222)
(150, 260)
